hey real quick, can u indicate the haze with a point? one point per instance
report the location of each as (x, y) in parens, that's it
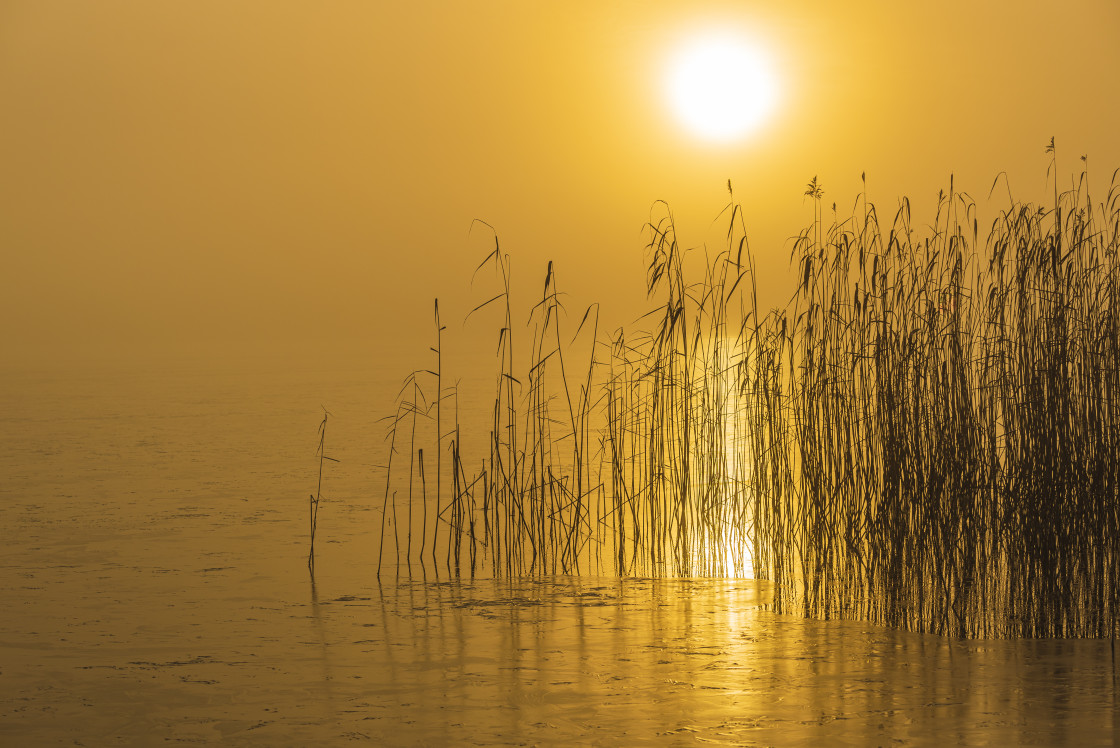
(197, 179)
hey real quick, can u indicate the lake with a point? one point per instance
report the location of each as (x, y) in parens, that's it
(156, 591)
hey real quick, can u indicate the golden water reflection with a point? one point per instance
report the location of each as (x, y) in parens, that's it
(560, 660)
(608, 660)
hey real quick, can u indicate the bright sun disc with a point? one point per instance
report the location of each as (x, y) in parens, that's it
(720, 87)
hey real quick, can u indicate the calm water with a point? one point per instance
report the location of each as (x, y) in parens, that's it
(155, 591)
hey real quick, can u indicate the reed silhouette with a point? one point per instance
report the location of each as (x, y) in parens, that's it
(313, 502)
(926, 436)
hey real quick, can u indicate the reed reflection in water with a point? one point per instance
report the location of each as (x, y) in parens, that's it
(603, 660)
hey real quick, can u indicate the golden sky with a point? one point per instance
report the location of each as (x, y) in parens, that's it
(230, 175)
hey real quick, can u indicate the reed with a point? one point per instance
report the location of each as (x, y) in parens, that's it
(313, 505)
(926, 436)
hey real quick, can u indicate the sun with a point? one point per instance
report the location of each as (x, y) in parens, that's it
(721, 87)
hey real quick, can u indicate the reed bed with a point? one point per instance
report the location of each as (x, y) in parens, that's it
(926, 436)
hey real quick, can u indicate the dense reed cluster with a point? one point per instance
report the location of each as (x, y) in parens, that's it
(927, 436)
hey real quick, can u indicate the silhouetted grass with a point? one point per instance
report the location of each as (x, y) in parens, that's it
(926, 436)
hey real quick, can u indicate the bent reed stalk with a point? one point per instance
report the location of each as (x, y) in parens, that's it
(926, 437)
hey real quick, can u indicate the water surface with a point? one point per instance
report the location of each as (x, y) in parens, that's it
(156, 591)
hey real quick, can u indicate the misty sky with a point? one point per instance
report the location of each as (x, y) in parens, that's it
(206, 177)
